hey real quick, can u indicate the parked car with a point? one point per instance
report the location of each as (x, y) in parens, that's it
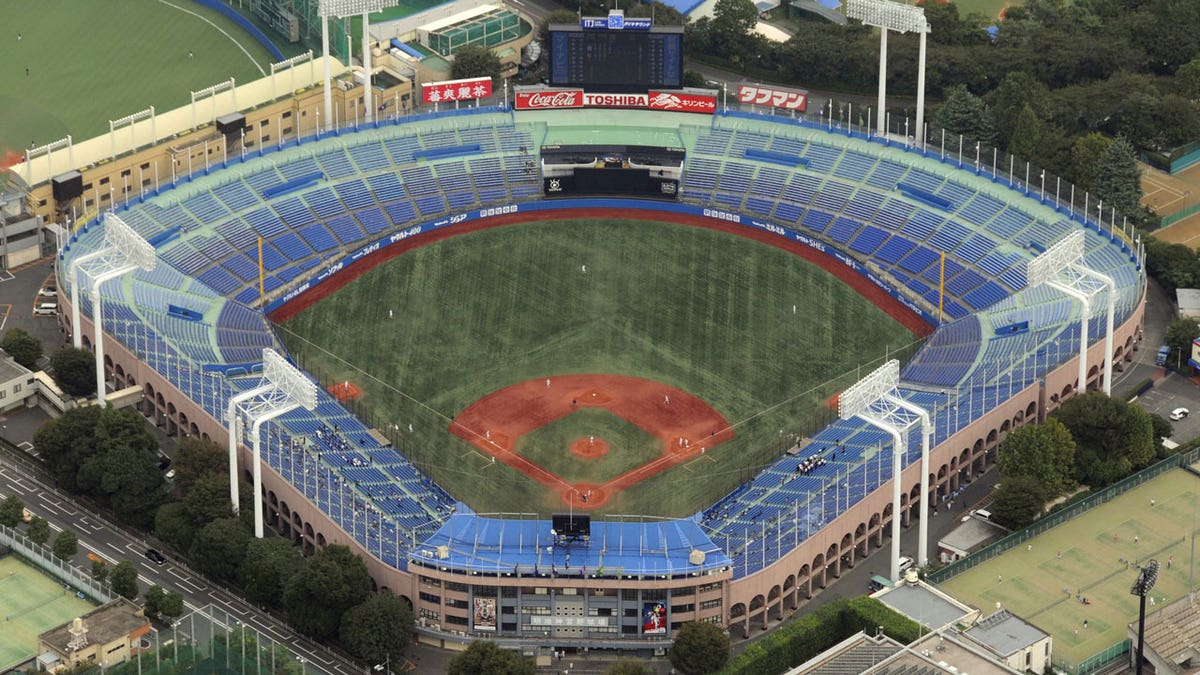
(1178, 414)
(155, 556)
(49, 292)
(46, 309)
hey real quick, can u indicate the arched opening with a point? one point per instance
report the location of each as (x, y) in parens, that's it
(775, 603)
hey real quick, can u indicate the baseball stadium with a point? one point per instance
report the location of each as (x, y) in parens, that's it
(577, 370)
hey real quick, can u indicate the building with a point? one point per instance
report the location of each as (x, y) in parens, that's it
(105, 636)
(17, 384)
(1188, 300)
(925, 604)
(931, 654)
(1013, 640)
(1172, 638)
(20, 230)
(972, 535)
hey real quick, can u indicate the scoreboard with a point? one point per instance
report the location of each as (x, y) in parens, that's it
(616, 60)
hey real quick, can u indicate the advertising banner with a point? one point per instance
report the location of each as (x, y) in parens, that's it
(485, 614)
(776, 97)
(555, 99)
(456, 90)
(654, 618)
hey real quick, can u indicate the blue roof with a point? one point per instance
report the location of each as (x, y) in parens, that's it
(526, 547)
(684, 7)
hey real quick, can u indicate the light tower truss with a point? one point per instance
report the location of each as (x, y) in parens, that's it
(876, 399)
(342, 9)
(123, 251)
(901, 18)
(1061, 267)
(283, 388)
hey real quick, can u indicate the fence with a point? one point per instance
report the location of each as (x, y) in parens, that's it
(1180, 215)
(1098, 661)
(41, 557)
(1063, 515)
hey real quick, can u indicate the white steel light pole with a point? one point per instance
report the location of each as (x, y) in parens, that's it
(124, 251)
(341, 9)
(893, 16)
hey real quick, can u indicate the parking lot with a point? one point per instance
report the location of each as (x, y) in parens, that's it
(1169, 393)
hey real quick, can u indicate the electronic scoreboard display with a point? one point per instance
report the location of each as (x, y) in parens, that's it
(616, 60)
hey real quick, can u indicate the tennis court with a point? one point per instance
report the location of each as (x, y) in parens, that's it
(1082, 570)
(32, 604)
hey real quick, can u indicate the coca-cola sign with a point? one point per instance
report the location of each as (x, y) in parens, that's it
(549, 99)
(788, 99)
(577, 98)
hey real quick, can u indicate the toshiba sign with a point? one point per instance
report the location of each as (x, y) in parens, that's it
(788, 99)
(577, 98)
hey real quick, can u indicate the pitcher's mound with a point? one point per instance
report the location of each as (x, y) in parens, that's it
(589, 447)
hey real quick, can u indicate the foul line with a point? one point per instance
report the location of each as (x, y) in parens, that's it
(220, 30)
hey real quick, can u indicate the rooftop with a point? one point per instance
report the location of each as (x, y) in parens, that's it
(938, 653)
(923, 605)
(1005, 633)
(972, 534)
(1173, 632)
(112, 621)
(1188, 299)
(10, 369)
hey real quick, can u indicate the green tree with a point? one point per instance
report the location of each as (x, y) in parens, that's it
(700, 647)
(67, 442)
(1112, 438)
(1180, 334)
(22, 346)
(153, 598)
(163, 604)
(1162, 429)
(1117, 180)
(66, 544)
(1026, 142)
(333, 581)
(965, 113)
(732, 27)
(39, 530)
(124, 471)
(1008, 101)
(487, 658)
(220, 547)
(196, 457)
(208, 499)
(475, 61)
(1187, 80)
(1085, 156)
(99, 570)
(74, 371)
(124, 580)
(1172, 265)
(11, 510)
(1018, 501)
(1044, 452)
(172, 525)
(269, 564)
(629, 667)
(377, 628)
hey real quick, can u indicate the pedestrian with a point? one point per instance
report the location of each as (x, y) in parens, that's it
(666, 399)
(1029, 548)
(573, 402)
(999, 579)
(591, 440)
(1135, 539)
(1085, 623)
(410, 428)
(390, 314)
(190, 54)
(18, 36)
(1151, 502)
(584, 268)
(547, 383)
(26, 71)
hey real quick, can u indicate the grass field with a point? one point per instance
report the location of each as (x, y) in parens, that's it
(629, 446)
(1036, 581)
(31, 603)
(746, 327)
(90, 62)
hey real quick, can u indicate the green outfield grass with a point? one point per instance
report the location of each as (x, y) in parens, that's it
(1040, 586)
(989, 8)
(628, 446)
(30, 604)
(704, 311)
(90, 62)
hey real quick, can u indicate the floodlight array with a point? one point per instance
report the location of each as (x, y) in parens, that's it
(1146, 579)
(889, 15)
(859, 396)
(293, 383)
(125, 240)
(328, 8)
(1061, 256)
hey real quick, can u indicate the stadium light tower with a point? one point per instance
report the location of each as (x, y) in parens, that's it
(342, 9)
(1145, 581)
(887, 16)
(1061, 267)
(876, 400)
(124, 251)
(283, 388)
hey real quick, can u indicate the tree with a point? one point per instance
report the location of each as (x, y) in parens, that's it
(208, 499)
(269, 564)
(39, 530)
(22, 346)
(74, 371)
(1187, 80)
(99, 570)
(1117, 180)
(1172, 265)
(475, 61)
(732, 27)
(700, 647)
(629, 667)
(67, 442)
(1018, 501)
(220, 547)
(1085, 156)
(1043, 452)
(164, 604)
(11, 510)
(1008, 101)
(124, 471)
(965, 113)
(1112, 438)
(377, 628)
(1179, 336)
(196, 457)
(66, 544)
(124, 580)
(484, 657)
(333, 581)
(1163, 429)
(172, 525)
(1026, 141)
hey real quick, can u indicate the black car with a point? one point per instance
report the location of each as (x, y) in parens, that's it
(155, 556)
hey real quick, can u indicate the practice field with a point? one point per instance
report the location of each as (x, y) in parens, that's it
(1041, 585)
(750, 329)
(31, 603)
(89, 62)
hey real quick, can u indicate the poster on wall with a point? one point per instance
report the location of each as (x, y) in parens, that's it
(654, 618)
(485, 614)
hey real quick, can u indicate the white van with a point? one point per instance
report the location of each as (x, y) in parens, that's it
(984, 515)
(46, 309)
(906, 563)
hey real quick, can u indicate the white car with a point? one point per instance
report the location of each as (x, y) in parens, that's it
(1178, 414)
(48, 292)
